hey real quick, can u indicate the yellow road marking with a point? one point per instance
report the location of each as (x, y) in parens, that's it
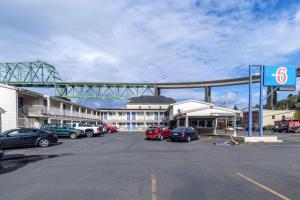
(263, 187)
(153, 187)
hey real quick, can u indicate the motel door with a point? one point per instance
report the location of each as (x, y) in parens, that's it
(133, 115)
(156, 115)
(133, 126)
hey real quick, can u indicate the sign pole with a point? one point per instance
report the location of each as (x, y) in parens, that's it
(261, 108)
(250, 103)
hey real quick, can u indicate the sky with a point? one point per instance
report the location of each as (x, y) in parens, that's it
(153, 41)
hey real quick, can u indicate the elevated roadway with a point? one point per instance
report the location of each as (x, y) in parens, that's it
(41, 74)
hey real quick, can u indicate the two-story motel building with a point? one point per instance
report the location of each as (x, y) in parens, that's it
(139, 113)
(24, 108)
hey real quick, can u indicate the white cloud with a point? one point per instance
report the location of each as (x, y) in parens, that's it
(100, 56)
(150, 41)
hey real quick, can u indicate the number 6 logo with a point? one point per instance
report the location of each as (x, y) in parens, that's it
(281, 75)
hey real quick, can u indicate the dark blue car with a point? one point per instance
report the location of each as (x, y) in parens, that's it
(27, 137)
(1, 153)
(186, 134)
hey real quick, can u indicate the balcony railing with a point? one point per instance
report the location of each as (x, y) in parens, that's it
(40, 110)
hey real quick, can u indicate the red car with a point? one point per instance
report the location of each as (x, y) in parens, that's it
(111, 128)
(157, 132)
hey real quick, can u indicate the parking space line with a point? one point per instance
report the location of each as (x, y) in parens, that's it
(281, 196)
(203, 139)
(153, 187)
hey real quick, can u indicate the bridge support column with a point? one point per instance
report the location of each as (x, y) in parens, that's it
(272, 99)
(207, 97)
(157, 91)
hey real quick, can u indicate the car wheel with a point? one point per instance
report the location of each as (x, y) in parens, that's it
(89, 134)
(161, 137)
(73, 136)
(44, 142)
(197, 137)
(188, 139)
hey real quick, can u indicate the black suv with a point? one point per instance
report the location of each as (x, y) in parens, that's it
(283, 128)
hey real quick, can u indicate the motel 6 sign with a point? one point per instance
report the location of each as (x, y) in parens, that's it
(279, 75)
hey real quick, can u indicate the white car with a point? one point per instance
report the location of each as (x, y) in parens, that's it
(90, 130)
(239, 128)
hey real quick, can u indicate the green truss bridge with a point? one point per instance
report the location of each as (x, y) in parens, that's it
(44, 75)
(41, 74)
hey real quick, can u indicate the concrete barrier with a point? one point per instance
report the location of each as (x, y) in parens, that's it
(264, 139)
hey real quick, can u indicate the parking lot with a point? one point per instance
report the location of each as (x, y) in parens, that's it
(126, 166)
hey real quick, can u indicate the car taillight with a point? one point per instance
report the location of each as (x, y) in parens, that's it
(98, 129)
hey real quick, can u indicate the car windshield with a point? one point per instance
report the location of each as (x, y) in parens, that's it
(5, 132)
(152, 128)
(180, 129)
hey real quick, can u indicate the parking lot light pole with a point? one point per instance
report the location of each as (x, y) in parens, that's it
(261, 109)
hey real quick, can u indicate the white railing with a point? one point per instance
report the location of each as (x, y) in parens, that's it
(40, 110)
(33, 110)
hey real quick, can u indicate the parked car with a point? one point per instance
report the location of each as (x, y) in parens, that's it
(27, 137)
(157, 132)
(295, 129)
(1, 153)
(111, 128)
(102, 128)
(63, 130)
(88, 129)
(184, 134)
(281, 128)
(239, 128)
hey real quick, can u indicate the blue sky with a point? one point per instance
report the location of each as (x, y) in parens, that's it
(152, 41)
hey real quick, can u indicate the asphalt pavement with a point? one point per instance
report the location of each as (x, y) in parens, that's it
(126, 166)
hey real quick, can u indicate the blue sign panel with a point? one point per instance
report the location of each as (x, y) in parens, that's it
(279, 76)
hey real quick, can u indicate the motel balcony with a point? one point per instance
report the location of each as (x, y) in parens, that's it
(44, 111)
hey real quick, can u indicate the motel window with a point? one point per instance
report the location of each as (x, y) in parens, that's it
(209, 123)
(45, 102)
(202, 123)
(194, 123)
(273, 116)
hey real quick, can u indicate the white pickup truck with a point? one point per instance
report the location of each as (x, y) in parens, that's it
(90, 130)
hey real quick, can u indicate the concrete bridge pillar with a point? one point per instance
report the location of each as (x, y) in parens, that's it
(207, 97)
(272, 99)
(156, 91)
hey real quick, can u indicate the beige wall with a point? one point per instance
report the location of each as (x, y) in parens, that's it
(8, 101)
(277, 115)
